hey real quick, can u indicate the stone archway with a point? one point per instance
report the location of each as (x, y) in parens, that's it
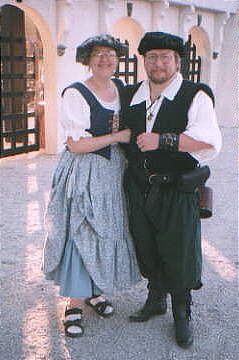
(50, 80)
(201, 40)
(129, 29)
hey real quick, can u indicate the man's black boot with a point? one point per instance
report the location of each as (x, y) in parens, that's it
(156, 304)
(182, 316)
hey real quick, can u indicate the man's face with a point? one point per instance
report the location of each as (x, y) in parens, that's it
(160, 65)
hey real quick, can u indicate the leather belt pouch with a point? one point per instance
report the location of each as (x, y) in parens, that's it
(206, 202)
(191, 180)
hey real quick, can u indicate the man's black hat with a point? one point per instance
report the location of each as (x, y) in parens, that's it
(161, 40)
(83, 51)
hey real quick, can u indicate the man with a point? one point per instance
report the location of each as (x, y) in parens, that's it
(174, 128)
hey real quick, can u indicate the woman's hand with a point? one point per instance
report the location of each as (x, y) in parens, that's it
(123, 136)
(71, 144)
(89, 144)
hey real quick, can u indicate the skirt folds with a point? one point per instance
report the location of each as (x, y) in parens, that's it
(88, 248)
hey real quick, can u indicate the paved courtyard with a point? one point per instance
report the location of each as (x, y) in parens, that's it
(32, 312)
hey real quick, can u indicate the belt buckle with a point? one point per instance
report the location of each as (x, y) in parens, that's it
(163, 179)
(146, 164)
(151, 178)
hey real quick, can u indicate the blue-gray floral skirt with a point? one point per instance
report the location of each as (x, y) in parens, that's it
(88, 249)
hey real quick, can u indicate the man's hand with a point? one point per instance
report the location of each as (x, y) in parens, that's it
(148, 141)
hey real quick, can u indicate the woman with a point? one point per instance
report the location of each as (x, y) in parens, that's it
(88, 251)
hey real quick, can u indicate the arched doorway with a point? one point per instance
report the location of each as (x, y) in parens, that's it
(201, 40)
(130, 30)
(47, 109)
(22, 117)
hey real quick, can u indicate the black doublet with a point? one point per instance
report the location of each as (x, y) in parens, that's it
(166, 224)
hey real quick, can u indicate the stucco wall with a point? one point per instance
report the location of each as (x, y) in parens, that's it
(45, 8)
(69, 22)
(227, 76)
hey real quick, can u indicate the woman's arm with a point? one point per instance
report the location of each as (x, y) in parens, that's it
(85, 145)
(75, 116)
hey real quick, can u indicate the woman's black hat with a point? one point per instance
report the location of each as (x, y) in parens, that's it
(161, 40)
(83, 51)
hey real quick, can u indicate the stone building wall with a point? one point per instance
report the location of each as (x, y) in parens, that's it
(64, 24)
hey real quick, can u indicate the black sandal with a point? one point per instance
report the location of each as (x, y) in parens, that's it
(100, 307)
(77, 322)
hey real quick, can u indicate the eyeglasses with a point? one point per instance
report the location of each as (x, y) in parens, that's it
(110, 55)
(153, 58)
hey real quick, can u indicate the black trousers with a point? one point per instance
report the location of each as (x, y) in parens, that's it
(166, 230)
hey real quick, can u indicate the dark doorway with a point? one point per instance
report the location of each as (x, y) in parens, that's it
(20, 72)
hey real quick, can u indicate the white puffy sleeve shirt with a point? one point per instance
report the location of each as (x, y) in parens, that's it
(202, 123)
(202, 126)
(75, 115)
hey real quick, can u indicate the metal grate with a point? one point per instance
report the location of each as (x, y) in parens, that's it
(19, 119)
(127, 69)
(191, 63)
(19, 125)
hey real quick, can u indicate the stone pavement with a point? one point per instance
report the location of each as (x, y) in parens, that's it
(31, 325)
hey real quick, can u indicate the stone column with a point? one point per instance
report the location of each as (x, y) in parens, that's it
(159, 11)
(63, 21)
(105, 9)
(220, 22)
(187, 19)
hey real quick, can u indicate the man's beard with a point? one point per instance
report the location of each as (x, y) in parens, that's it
(157, 81)
(161, 80)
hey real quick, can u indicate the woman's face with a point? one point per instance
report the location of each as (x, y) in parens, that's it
(103, 61)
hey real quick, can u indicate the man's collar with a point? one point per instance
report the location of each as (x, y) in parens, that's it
(171, 90)
(143, 92)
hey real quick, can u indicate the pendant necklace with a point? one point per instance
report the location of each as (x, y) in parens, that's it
(149, 110)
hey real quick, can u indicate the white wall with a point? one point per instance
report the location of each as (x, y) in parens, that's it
(45, 8)
(226, 89)
(69, 22)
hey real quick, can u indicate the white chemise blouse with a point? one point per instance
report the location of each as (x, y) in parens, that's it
(76, 113)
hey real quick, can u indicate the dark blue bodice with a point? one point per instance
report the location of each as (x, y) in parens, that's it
(101, 119)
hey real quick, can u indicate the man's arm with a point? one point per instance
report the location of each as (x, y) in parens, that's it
(190, 145)
(151, 141)
(202, 137)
